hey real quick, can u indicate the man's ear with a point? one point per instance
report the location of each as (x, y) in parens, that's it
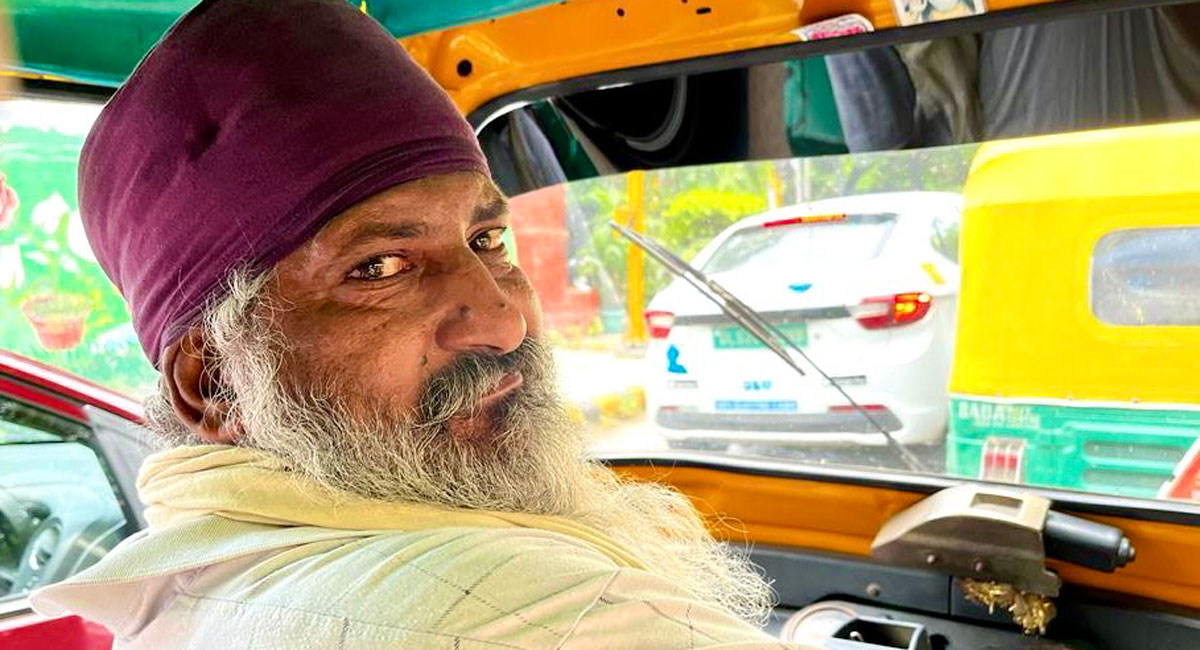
(189, 370)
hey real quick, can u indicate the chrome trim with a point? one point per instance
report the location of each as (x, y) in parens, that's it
(780, 316)
(15, 608)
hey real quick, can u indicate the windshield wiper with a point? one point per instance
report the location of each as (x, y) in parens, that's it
(757, 326)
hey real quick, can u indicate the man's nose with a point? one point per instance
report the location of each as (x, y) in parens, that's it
(477, 314)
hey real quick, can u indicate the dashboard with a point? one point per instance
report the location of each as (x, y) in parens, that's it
(842, 602)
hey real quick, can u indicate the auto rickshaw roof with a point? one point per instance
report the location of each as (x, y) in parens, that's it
(1142, 163)
(493, 54)
(101, 43)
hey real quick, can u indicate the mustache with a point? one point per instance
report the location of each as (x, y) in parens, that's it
(458, 388)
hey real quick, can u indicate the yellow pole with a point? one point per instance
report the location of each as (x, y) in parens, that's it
(635, 261)
(776, 192)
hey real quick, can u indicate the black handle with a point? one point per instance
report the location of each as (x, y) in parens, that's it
(1086, 543)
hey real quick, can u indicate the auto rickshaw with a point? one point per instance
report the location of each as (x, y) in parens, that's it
(1063, 380)
(1082, 257)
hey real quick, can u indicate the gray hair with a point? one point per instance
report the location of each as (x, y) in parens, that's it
(226, 322)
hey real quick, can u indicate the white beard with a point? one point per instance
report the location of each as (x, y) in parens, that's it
(534, 462)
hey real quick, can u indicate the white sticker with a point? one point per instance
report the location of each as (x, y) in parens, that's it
(847, 25)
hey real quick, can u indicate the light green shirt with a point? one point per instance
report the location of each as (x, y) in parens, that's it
(224, 584)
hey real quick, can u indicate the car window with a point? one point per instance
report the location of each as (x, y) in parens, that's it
(58, 510)
(1147, 276)
(797, 241)
(943, 236)
(12, 433)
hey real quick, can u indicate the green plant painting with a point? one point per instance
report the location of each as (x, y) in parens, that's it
(56, 305)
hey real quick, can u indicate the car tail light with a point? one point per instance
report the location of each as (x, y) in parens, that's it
(815, 218)
(892, 311)
(1003, 460)
(659, 323)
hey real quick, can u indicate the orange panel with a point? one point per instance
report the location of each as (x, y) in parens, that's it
(843, 518)
(571, 39)
(567, 40)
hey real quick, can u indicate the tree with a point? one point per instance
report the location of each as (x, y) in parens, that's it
(685, 208)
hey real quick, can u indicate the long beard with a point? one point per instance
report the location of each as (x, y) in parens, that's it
(534, 461)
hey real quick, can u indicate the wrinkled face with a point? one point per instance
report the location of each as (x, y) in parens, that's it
(395, 357)
(401, 286)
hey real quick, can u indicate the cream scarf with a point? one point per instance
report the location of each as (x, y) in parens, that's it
(248, 485)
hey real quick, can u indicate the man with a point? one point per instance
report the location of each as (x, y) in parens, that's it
(366, 449)
(1085, 72)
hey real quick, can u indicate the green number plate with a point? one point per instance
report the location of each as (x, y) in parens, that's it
(734, 336)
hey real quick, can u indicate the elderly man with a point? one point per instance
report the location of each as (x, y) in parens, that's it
(365, 447)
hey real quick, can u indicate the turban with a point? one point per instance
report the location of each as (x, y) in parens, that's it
(248, 127)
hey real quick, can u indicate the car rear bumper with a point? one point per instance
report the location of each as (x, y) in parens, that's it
(779, 422)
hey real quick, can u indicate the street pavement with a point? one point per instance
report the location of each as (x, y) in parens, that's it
(586, 376)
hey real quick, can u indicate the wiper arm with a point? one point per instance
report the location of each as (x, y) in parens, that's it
(758, 327)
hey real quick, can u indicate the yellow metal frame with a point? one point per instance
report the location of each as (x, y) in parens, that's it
(842, 518)
(572, 39)
(1035, 210)
(635, 258)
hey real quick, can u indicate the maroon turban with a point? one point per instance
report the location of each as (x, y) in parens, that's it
(248, 127)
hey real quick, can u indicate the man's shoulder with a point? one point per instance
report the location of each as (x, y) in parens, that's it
(396, 558)
(442, 581)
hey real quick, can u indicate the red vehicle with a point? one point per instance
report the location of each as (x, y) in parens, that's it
(69, 453)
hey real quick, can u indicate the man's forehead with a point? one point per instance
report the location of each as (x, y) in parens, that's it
(418, 208)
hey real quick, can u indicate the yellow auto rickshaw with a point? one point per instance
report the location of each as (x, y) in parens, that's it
(1079, 318)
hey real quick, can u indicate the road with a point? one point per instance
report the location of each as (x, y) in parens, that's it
(586, 375)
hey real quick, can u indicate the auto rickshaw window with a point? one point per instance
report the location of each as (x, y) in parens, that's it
(934, 301)
(1148, 276)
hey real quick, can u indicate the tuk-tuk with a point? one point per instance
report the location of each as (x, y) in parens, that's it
(1100, 257)
(1074, 271)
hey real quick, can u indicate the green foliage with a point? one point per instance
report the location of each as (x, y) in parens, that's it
(940, 169)
(684, 209)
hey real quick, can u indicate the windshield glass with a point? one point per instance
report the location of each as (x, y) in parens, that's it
(797, 241)
(1147, 276)
(868, 295)
(1006, 309)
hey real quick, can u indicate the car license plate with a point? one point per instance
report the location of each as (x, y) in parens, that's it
(736, 337)
(756, 406)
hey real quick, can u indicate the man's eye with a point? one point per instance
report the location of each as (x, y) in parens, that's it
(488, 240)
(381, 268)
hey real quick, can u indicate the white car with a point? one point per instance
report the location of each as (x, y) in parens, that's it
(865, 285)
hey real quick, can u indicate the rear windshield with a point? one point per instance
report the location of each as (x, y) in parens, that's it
(857, 238)
(1147, 276)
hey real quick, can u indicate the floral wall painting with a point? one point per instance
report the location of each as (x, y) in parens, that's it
(9, 201)
(56, 305)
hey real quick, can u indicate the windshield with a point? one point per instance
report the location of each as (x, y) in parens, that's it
(1008, 310)
(796, 241)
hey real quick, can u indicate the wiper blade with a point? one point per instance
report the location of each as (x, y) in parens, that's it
(757, 326)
